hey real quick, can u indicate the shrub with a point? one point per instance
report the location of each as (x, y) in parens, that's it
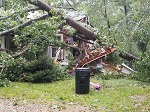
(42, 63)
(5, 82)
(42, 70)
(14, 69)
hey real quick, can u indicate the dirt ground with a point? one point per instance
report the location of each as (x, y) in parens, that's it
(7, 105)
(11, 105)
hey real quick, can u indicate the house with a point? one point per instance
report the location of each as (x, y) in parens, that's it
(77, 36)
(90, 54)
(73, 40)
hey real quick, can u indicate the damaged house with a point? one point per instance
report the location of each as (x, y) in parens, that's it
(83, 46)
(82, 42)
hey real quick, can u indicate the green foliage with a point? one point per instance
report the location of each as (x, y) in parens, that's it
(108, 75)
(128, 31)
(7, 5)
(70, 58)
(13, 13)
(43, 62)
(5, 82)
(42, 70)
(114, 58)
(143, 69)
(14, 69)
(6, 59)
(37, 36)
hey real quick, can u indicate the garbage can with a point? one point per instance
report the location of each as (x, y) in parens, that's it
(82, 80)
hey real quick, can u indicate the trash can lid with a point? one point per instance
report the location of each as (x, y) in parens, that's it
(82, 69)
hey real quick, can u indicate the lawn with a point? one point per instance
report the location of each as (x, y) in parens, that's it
(119, 95)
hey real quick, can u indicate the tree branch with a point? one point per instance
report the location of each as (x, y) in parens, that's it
(4, 49)
(24, 49)
(114, 1)
(14, 54)
(22, 25)
(42, 6)
(34, 9)
(82, 38)
(70, 5)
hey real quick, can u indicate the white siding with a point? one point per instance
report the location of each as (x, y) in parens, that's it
(2, 42)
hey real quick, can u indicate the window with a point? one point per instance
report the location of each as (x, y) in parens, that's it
(56, 50)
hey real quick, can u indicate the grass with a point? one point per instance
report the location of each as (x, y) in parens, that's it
(119, 95)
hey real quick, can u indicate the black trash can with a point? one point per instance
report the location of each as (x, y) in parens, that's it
(82, 80)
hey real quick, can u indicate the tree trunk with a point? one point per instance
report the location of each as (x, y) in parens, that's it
(106, 16)
(89, 35)
(126, 12)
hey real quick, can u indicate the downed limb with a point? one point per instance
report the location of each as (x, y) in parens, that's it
(22, 25)
(34, 9)
(4, 49)
(128, 56)
(82, 38)
(43, 6)
(14, 54)
(83, 30)
(24, 49)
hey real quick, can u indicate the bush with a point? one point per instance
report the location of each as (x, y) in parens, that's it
(42, 63)
(4, 82)
(13, 69)
(42, 70)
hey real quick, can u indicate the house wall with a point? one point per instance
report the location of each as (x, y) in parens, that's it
(2, 42)
(7, 43)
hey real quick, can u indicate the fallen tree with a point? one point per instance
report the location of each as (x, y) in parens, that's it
(40, 5)
(43, 6)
